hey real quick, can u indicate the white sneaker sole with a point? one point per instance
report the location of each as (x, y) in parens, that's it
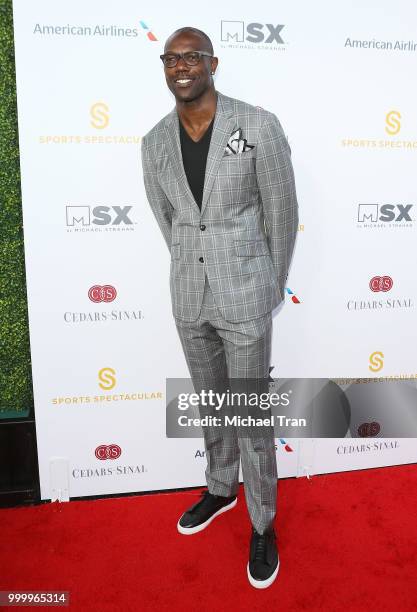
(263, 584)
(191, 530)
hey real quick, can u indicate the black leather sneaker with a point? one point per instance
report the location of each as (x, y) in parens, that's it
(200, 515)
(263, 563)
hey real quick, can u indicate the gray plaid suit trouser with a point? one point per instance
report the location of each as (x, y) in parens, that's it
(217, 350)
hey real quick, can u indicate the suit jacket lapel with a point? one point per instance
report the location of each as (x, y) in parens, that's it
(223, 126)
(172, 128)
(224, 123)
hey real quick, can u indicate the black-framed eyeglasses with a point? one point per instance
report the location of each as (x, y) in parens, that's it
(191, 58)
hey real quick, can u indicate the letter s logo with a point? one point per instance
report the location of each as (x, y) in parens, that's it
(393, 123)
(376, 361)
(107, 376)
(99, 113)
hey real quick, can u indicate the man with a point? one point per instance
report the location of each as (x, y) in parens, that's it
(219, 180)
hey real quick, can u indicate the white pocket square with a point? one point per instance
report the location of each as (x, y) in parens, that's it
(236, 144)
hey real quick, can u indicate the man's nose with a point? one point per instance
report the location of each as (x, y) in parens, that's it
(181, 63)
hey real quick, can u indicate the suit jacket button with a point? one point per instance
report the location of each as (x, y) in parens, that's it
(202, 227)
(201, 259)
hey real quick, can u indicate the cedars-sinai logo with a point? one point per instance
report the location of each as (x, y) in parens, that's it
(102, 293)
(108, 451)
(369, 430)
(381, 283)
(382, 286)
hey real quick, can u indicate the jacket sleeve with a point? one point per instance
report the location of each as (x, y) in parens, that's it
(158, 201)
(275, 177)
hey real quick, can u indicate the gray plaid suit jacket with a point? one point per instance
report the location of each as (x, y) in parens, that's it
(244, 235)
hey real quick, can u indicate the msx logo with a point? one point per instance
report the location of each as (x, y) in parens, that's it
(234, 31)
(99, 215)
(386, 212)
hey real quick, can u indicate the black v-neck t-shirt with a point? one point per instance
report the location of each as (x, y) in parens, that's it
(194, 158)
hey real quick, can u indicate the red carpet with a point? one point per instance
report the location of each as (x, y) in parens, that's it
(346, 541)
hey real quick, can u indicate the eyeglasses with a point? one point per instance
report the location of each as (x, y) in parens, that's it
(191, 58)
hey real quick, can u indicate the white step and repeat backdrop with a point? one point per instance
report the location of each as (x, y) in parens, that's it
(340, 77)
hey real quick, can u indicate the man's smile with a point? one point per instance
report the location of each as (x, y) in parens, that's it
(183, 81)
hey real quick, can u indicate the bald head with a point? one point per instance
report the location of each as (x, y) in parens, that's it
(205, 42)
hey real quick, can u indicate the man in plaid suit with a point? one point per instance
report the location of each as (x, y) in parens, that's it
(219, 180)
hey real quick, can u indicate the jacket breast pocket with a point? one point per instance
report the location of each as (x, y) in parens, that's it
(244, 157)
(240, 168)
(251, 248)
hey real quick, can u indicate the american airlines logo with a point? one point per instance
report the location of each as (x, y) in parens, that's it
(237, 33)
(384, 215)
(294, 298)
(99, 218)
(284, 444)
